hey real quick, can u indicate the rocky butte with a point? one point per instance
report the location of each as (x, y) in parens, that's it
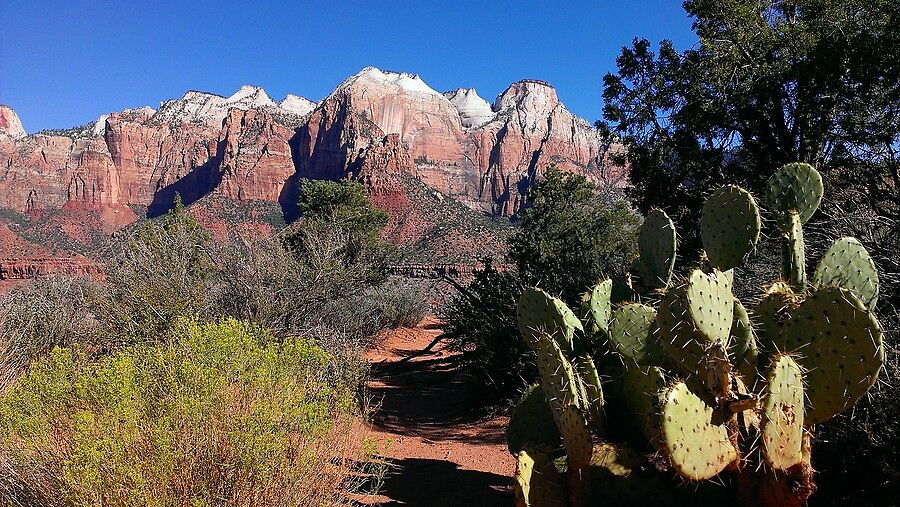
(383, 127)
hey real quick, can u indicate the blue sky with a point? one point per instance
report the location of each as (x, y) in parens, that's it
(63, 63)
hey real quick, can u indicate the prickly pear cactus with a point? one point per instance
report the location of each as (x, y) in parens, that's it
(794, 194)
(794, 189)
(577, 437)
(802, 357)
(540, 312)
(631, 333)
(531, 424)
(640, 387)
(729, 226)
(772, 314)
(657, 244)
(711, 305)
(782, 430)
(697, 448)
(695, 323)
(595, 309)
(537, 482)
(558, 377)
(592, 394)
(839, 343)
(847, 264)
(742, 346)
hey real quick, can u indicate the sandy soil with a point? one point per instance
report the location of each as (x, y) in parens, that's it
(442, 453)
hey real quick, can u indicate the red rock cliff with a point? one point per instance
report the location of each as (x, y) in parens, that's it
(248, 147)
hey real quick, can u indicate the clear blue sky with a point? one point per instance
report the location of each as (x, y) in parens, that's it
(63, 63)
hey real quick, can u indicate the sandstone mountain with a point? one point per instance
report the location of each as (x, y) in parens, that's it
(386, 128)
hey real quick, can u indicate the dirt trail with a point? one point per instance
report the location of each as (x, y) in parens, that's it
(442, 453)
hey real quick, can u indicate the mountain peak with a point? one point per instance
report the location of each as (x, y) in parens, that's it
(473, 110)
(251, 96)
(297, 105)
(531, 93)
(403, 81)
(10, 125)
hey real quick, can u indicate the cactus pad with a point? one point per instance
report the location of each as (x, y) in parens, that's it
(742, 347)
(697, 448)
(772, 314)
(711, 305)
(537, 482)
(595, 309)
(640, 387)
(531, 424)
(840, 346)
(794, 188)
(540, 312)
(631, 333)
(847, 264)
(729, 226)
(577, 438)
(657, 245)
(676, 332)
(561, 385)
(782, 431)
(592, 393)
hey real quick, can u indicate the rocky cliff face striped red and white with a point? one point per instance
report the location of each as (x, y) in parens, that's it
(249, 147)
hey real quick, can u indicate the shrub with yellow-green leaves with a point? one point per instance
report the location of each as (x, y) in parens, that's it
(219, 414)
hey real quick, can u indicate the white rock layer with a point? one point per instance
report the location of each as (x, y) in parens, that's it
(473, 110)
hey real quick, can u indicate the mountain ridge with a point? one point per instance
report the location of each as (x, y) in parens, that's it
(380, 127)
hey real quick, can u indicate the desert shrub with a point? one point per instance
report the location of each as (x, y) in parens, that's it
(326, 276)
(568, 238)
(40, 315)
(219, 414)
(481, 323)
(161, 275)
(267, 283)
(400, 302)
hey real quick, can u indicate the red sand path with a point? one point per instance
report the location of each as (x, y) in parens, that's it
(442, 454)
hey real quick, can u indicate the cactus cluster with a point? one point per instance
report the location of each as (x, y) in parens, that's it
(717, 390)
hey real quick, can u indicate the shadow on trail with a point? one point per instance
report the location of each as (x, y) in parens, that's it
(430, 397)
(456, 486)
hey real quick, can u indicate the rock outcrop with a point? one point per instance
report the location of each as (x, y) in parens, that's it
(10, 125)
(474, 111)
(248, 147)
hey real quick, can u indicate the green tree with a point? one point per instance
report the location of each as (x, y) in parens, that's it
(570, 237)
(341, 214)
(567, 239)
(769, 82)
(343, 202)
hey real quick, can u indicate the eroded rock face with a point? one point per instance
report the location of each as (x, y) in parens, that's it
(10, 125)
(474, 111)
(531, 131)
(249, 147)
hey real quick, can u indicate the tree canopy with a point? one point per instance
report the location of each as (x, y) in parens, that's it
(769, 82)
(569, 237)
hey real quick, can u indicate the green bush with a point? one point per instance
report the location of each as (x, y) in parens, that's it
(568, 238)
(220, 414)
(162, 274)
